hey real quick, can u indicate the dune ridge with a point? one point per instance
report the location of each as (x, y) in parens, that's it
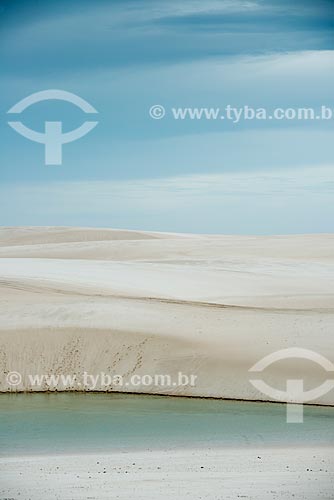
(117, 301)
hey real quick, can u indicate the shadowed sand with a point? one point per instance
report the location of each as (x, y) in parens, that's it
(131, 302)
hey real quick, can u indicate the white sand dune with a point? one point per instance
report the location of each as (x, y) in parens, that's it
(231, 473)
(131, 302)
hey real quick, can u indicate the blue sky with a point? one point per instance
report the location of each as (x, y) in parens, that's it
(166, 175)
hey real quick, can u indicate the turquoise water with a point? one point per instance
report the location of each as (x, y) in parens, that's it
(74, 422)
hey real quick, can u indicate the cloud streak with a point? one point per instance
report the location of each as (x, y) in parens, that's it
(260, 202)
(56, 36)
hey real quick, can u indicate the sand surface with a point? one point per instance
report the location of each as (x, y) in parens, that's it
(129, 302)
(198, 474)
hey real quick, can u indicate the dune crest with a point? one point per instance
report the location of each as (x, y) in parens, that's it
(117, 301)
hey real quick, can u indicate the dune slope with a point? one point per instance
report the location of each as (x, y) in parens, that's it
(75, 300)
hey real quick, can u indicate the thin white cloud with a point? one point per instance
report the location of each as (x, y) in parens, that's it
(273, 202)
(116, 16)
(99, 196)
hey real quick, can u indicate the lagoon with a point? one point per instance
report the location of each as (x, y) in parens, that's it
(67, 423)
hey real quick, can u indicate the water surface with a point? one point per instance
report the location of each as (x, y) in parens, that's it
(92, 422)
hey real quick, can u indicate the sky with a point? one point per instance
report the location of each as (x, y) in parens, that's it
(133, 171)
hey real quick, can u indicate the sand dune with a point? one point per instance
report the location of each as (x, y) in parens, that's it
(301, 473)
(131, 302)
